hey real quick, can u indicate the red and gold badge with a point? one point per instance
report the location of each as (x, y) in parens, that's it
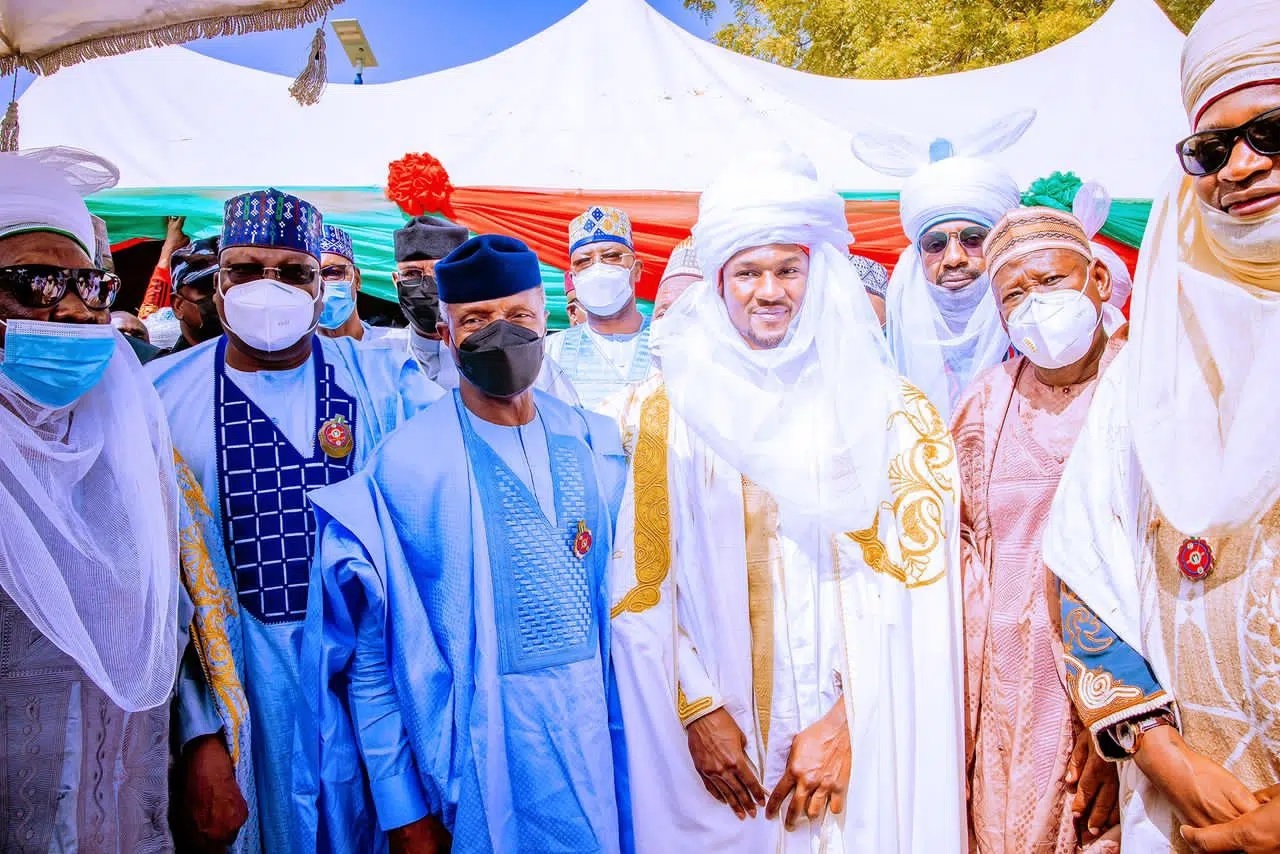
(582, 542)
(1195, 559)
(336, 439)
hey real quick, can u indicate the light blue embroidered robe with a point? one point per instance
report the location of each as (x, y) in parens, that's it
(388, 389)
(459, 677)
(593, 375)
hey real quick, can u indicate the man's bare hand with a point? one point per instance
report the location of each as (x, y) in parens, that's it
(817, 775)
(427, 835)
(215, 807)
(1096, 785)
(1256, 832)
(718, 748)
(1203, 793)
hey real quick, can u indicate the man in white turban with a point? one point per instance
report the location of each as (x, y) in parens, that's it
(943, 323)
(785, 592)
(1166, 524)
(90, 628)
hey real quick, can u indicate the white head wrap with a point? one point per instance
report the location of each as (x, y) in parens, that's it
(1234, 44)
(1205, 335)
(88, 495)
(806, 420)
(940, 338)
(1092, 206)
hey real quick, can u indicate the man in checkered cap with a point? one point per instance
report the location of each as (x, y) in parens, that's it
(260, 417)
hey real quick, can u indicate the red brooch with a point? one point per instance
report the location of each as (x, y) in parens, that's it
(335, 438)
(1195, 559)
(582, 542)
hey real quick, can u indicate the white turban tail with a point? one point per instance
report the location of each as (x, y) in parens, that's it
(1205, 334)
(806, 420)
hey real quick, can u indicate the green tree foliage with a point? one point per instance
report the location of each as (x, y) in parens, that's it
(884, 39)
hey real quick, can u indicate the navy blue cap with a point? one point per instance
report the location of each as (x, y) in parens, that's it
(491, 266)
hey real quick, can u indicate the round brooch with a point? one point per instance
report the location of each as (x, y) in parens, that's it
(582, 542)
(1195, 559)
(335, 438)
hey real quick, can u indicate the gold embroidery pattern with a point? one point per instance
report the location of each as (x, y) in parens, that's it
(1098, 695)
(688, 711)
(652, 508)
(764, 561)
(212, 604)
(921, 485)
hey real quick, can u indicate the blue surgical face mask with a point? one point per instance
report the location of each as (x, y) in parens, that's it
(339, 303)
(55, 364)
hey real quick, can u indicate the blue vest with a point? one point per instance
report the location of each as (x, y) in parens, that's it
(267, 523)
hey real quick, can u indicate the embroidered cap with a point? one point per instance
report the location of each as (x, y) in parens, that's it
(683, 261)
(599, 224)
(274, 219)
(1025, 230)
(337, 242)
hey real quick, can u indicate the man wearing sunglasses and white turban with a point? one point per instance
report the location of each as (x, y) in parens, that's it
(795, 687)
(261, 416)
(89, 594)
(942, 322)
(1167, 521)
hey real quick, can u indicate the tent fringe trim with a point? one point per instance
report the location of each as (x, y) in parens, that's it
(231, 25)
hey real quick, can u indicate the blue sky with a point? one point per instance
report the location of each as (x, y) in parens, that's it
(411, 37)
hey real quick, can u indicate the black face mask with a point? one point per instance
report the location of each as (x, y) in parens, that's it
(501, 360)
(210, 324)
(420, 303)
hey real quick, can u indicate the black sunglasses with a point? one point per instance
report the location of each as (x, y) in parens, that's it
(1207, 152)
(971, 238)
(298, 275)
(43, 285)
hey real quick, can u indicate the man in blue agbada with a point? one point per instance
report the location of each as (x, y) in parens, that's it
(259, 417)
(457, 637)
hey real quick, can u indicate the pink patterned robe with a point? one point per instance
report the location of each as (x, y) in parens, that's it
(1012, 445)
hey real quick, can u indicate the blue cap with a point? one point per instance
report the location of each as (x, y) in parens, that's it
(336, 241)
(272, 219)
(487, 267)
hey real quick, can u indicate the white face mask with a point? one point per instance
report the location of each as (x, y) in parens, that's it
(267, 315)
(603, 289)
(1054, 329)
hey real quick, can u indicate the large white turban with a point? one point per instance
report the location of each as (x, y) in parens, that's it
(1205, 335)
(1236, 43)
(941, 339)
(806, 419)
(44, 190)
(956, 188)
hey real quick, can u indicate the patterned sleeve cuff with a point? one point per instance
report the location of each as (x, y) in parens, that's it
(1108, 680)
(699, 707)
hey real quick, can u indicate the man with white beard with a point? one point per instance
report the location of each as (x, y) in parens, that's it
(796, 688)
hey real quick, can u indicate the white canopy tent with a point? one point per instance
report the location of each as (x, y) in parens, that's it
(658, 109)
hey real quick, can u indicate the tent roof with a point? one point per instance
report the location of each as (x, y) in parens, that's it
(655, 109)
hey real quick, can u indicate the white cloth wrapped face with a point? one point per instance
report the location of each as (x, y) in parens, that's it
(1205, 334)
(940, 339)
(88, 494)
(785, 417)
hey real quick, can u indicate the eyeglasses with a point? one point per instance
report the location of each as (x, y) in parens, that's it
(615, 257)
(413, 278)
(298, 275)
(337, 273)
(1205, 153)
(971, 238)
(43, 285)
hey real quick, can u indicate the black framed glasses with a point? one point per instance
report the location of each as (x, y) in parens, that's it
(44, 285)
(298, 275)
(1205, 153)
(971, 238)
(337, 273)
(413, 279)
